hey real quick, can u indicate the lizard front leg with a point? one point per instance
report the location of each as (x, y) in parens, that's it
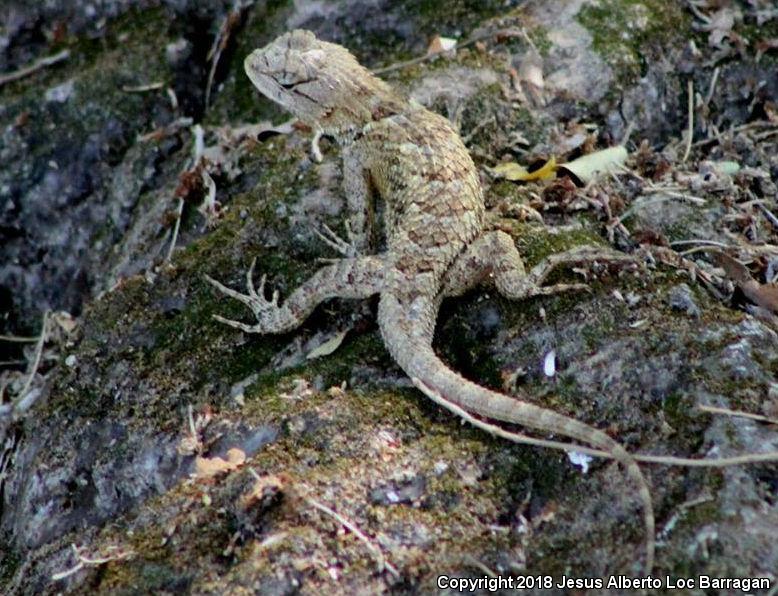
(494, 254)
(347, 278)
(360, 209)
(359, 199)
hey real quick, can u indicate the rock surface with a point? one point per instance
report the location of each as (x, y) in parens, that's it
(91, 166)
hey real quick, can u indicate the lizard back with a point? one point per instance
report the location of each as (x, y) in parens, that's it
(432, 194)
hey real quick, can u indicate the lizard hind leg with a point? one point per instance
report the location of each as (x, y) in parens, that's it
(494, 255)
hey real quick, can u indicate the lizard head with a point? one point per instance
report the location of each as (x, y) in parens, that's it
(319, 82)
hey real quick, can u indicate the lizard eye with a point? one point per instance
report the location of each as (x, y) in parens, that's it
(291, 86)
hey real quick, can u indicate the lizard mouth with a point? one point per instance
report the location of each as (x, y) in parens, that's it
(252, 66)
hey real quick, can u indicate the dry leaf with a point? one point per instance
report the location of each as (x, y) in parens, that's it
(515, 172)
(726, 168)
(65, 321)
(586, 167)
(720, 26)
(510, 171)
(441, 44)
(328, 347)
(531, 74)
(764, 46)
(208, 467)
(531, 70)
(764, 295)
(264, 488)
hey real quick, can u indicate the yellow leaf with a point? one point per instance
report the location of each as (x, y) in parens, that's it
(544, 173)
(515, 172)
(510, 171)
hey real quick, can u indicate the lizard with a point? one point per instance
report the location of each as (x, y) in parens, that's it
(437, 244)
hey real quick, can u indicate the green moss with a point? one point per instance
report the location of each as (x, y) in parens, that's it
(628, 33)
(679, 409)
(535, 243)
(539, 36)
(754, 32)
(9, 563)
(129, 48)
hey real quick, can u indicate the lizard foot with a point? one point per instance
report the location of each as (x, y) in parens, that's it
(581, 255)
(523, 285)
(268, 312)
(330, 238)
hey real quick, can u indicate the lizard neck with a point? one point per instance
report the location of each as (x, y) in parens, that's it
(371, 103)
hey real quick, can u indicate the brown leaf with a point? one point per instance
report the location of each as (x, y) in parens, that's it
(649, 236)
(264, 490)
(189, 183)
(734, 269)
(441, 44)
(560, 192)
(764, 295)
(208, 467)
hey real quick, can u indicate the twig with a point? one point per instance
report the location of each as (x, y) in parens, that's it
(85, 561)
(464, 44)
(712, 87)
(143, 88)
(734, 129)
(627, 134)
(738, 413)
(173, 98)
(19, 339)
(761, 136)
(471, 560)
(695, 250)
(473, 131)
(34, 67)
(38, 353)
(166, 131)
(697, 13)
(351, 527)
(768, 214)
(680, 195)
(719, 462)
(520, 438)
(690, 115)
(198, 146)
(700, 241)
(316, 154)
(679, 513)
(176, 227)
(220, 43)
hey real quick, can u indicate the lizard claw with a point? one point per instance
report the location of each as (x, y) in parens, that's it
(238, 325)
(331, 239)
(269, 313)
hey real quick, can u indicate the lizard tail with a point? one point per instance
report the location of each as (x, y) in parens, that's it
(408, 340)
